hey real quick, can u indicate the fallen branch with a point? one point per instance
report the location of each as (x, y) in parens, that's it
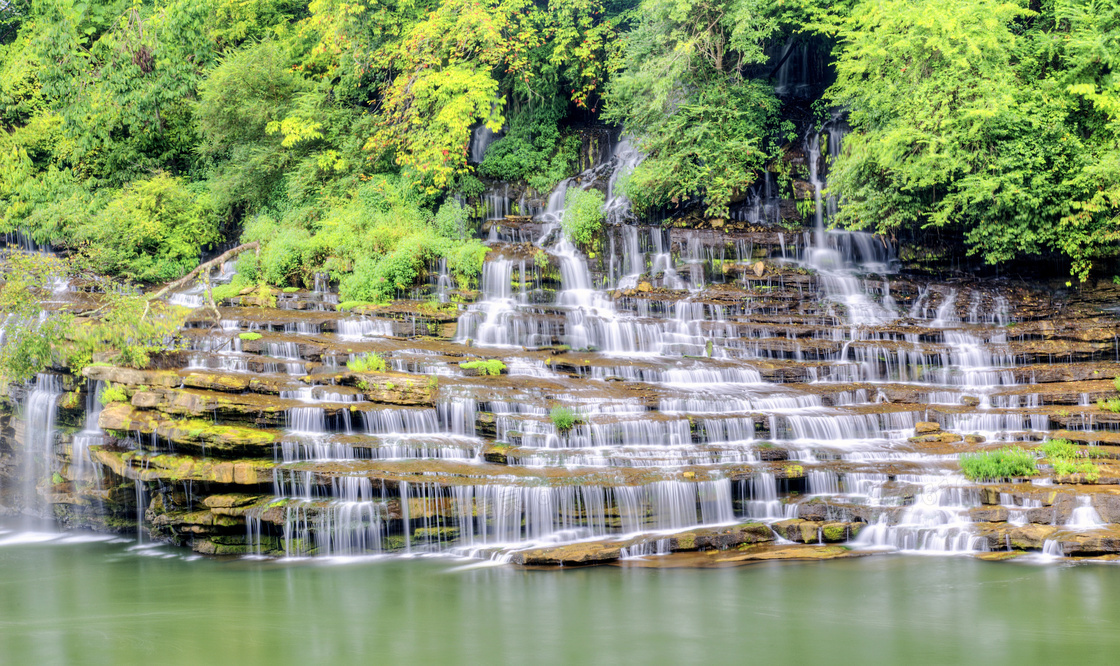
(207, 266)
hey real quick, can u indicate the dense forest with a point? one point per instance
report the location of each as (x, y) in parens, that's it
(141, 135)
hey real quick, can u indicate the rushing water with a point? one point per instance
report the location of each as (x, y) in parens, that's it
(78, 600)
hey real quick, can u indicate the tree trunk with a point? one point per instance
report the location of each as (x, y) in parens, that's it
(207, 266)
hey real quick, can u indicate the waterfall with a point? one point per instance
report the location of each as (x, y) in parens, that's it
(833, 253)
(91, 434)
(40, 413)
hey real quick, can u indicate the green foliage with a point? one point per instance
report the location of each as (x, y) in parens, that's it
(490, 366)
(369, 362)
(982, 116)
(533, 148)
(583, 215)
(680, 92)
(1066, 458)
(152, 231)
(126, 324)
(1059, 448)
(464, 261)
(112, 393)
(225, 291)
(564, 418)
(28, 341)
(1007, 463)
(249, 336)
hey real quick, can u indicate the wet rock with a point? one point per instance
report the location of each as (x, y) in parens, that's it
(926, 427)
(721, 538)
(216, 381)
(937, 438)
(1107, 506)
(132, 378)
(1102, 541)
(996, 514)
(1000, 555)
(805, 531)
(592, 552)
(1002, 536)
(230, 501)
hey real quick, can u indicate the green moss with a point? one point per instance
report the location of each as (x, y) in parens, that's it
(250, 336)
(490, 366)
(226, 291)
(370, 362)
(290, 290)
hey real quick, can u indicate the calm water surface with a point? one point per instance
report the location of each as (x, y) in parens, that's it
(77, 600)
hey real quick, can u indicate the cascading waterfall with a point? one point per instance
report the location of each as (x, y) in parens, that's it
(703, 392)
(40, 413)
(91, 434)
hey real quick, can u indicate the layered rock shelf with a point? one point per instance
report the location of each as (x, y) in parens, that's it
(670, 396)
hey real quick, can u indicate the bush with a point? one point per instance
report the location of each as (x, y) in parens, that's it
(1063, 456)
(490, 366)
(152, 231)
(1060, 449)
(465, 260)
(533, 149)
(564, 418)
(112, 393)
(1006, 463)
(583, 215)
(370, 362)
(1110, 405)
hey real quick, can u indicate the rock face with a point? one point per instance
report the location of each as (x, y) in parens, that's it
(702, 396)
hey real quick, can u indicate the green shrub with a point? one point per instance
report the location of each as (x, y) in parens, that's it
(1110, 405)
(1006, 463)
(465, 260)
(452, 220)
(112, 393)
(369, 362)
(1064, 458)
(1060, 448)
(490, 366)
(151, 231)
(583, 215)
(533, 148)
(224, 291)
(564, 418)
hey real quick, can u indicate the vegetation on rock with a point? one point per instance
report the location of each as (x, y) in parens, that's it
(1010, 462)
(564, 418)
(370, 362)
(490, 366)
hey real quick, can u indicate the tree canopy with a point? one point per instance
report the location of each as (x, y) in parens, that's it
(138, 133)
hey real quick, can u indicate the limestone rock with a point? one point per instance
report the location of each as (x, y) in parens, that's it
(996, 514)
